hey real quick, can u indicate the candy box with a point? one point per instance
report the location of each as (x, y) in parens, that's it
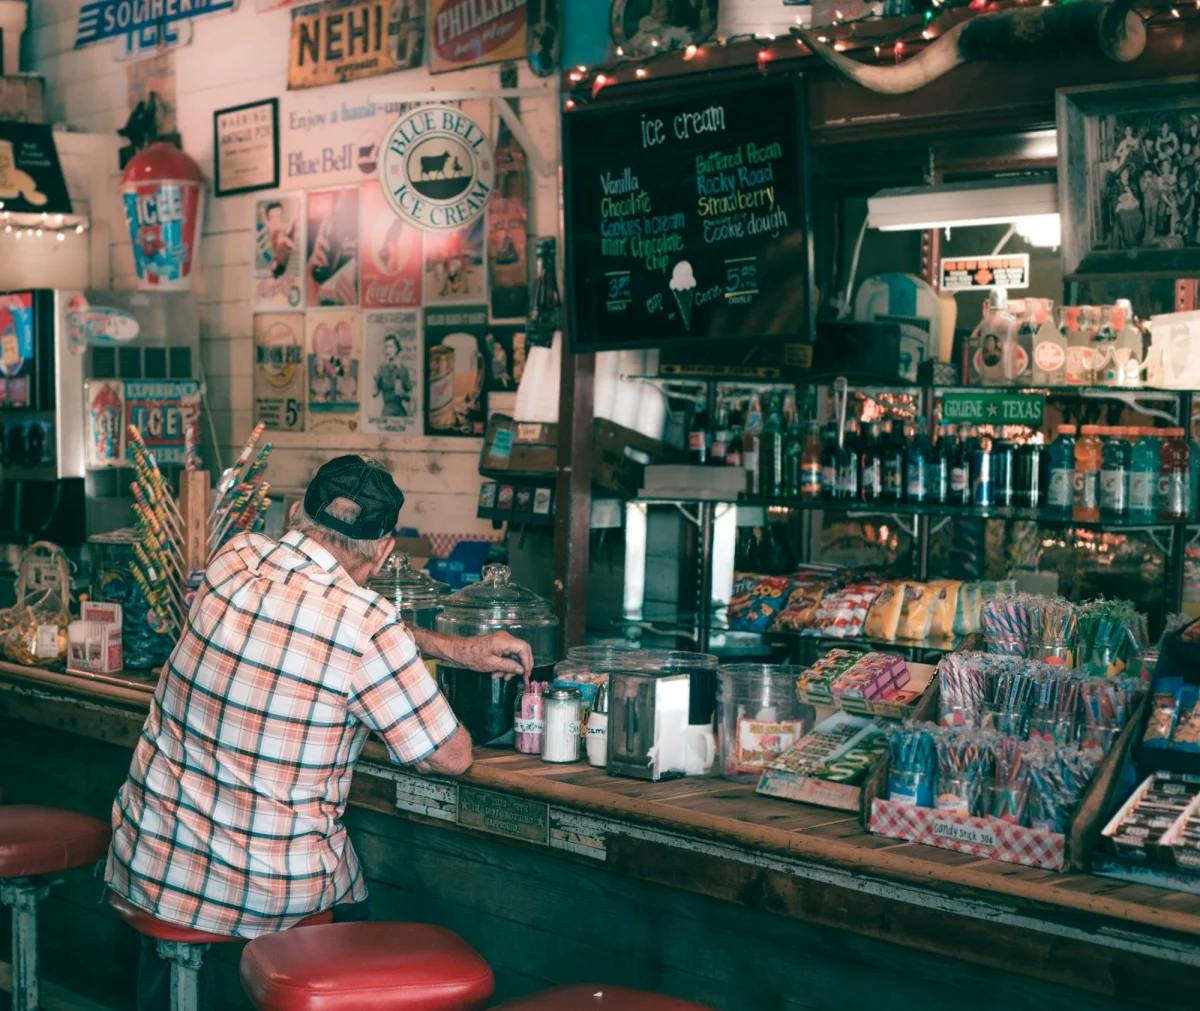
(94, 644)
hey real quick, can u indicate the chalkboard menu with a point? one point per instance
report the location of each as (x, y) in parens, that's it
(687, 216)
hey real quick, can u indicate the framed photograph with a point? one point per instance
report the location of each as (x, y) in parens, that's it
(649, 27)
(246, 147)
(1128, 178)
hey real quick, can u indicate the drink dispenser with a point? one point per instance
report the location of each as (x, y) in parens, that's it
(495, 604)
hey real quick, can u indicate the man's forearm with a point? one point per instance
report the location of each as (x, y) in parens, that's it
(434, 645)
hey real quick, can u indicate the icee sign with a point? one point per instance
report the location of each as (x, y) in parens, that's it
(109, 19)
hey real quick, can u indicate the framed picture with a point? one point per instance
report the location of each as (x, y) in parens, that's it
(246, 147)
(1128, 178)
(649, 27)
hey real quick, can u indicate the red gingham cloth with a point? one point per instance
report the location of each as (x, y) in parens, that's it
(230, 819)
(981, 837)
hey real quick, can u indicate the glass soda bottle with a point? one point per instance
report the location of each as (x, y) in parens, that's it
(1087, 474)
(846, 477)
(1060, 463)
(959, 462)
(793, 454)
(810, 465)
(938, 472)
(892, 452)
(916, 463)
(870, 472)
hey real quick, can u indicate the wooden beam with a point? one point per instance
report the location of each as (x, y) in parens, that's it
(573, 494)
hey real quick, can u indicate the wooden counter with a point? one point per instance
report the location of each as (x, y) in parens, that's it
(1120, 942)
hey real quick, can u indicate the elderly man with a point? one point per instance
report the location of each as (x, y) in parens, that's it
(230, 820)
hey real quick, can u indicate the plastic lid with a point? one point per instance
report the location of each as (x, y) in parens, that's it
(1066, 429)
(404, 586)
(671, 661)
(499, 598)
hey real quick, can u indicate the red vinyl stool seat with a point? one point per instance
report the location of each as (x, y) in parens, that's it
(183, 947)
(34, 841)
(605, 998)
(354, 966)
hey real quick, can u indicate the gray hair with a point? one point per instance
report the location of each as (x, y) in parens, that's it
(348, 547)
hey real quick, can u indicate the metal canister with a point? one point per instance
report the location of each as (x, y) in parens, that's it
(1028, 479)
(981, 476)
(1003, 466)
(441, 386)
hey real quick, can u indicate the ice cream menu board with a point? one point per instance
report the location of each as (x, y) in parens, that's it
(687, 216)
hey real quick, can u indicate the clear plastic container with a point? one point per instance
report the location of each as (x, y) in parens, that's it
(700, 667)
(758, 716)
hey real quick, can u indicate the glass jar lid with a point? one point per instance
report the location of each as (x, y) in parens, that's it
(495, 598)
(405, 587)
(672, 661)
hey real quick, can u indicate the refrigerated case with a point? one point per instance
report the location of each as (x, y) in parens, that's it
(53, 344)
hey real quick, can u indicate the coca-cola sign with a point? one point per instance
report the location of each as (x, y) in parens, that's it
(391, 254)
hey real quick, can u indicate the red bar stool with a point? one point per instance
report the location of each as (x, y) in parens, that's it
(354, 966)
(183, 947)
(606, 998)
(36, 841)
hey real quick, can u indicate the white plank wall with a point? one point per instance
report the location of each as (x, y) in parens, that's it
(234, 58)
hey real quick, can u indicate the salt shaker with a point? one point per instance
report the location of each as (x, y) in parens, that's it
(529, 719)
(597, 727)
(563, 706)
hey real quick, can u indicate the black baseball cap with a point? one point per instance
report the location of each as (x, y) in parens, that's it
(362, 481)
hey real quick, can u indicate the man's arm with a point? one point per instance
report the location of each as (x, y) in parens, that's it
(452, 758)
(498, 653)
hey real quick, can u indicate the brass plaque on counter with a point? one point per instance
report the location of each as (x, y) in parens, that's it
(502, 814)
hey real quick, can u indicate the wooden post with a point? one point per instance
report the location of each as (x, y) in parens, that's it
(573, 495)
(193, 507)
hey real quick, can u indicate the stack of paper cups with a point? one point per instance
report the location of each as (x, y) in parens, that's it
(629, 364)
(604, 404)
(13, 19)
(537, 395)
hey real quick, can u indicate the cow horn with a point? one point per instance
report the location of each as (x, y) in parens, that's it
(928, 65)
(1122, 32)
(1019, 33)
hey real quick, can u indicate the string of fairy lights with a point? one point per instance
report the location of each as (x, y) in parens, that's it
(865, 33)
(41, 225)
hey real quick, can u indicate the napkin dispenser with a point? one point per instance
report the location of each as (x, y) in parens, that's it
(647, 723)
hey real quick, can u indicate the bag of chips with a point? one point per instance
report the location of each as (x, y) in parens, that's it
(800, 612)
(756, 600)
(843, 612)
(884, 615)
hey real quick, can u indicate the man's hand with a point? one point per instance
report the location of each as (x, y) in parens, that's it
(498, 653)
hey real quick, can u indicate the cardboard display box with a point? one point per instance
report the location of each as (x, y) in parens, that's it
(917, 700)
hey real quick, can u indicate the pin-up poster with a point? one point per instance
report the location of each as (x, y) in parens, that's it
(279, 370)
(279, 252)
(454, 270)
(331, 264)
(455, 370)
(468, 34)
(16, 349)
(391, 361)
(105, 401)
(390, 249)
(332, 340)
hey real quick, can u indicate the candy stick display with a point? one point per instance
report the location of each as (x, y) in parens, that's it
(1058, 777)
(240, 502)
(964, 762)
(1111, 634)
(961, 682)
(1010, 787)
(910, 779)
(1055, 707)
(1106, 706)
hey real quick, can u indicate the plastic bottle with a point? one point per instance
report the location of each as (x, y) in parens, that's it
(810, 465)
(1115, 458)
(1143, 475)
(870, 464)
(1087, 474)
(892, 451)
(917, 459)
(1049, 346)
(1173, 476)
(1060, 463)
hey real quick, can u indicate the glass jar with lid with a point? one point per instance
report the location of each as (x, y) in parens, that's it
(494, 604)
(416, 596)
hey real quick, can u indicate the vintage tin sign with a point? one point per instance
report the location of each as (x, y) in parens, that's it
(342, 40)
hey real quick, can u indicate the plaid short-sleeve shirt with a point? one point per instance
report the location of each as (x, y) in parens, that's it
(230, 819)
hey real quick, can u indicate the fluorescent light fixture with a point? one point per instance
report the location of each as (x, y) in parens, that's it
(994, 202)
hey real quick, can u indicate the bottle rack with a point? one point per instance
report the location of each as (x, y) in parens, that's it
(921, 520)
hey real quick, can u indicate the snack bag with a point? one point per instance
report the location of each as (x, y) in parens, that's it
(36, 625)
(884, 615)
(843, 612)
(945, 604)
(966, 613)
(756, 600)
(800, 612)
(916, 611)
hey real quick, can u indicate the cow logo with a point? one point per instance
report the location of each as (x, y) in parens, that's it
(437, 168)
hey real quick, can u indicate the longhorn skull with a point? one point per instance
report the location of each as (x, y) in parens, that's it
(1022, 33)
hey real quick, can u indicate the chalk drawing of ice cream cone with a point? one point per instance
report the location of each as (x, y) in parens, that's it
(14, 182)
(683, 287)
